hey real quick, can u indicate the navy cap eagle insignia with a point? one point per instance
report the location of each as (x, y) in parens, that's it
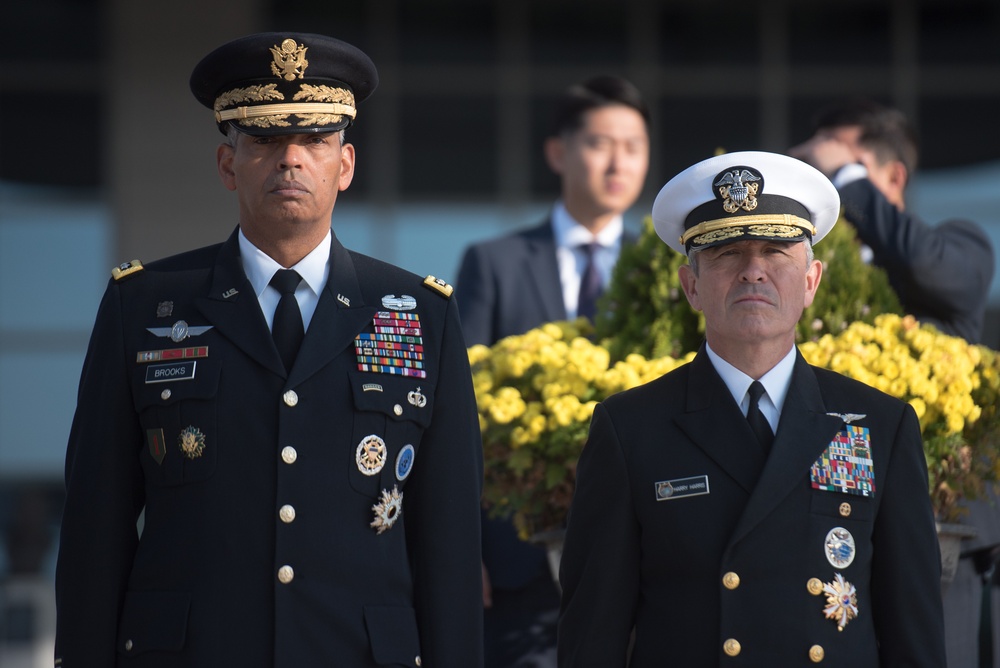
(738, 189)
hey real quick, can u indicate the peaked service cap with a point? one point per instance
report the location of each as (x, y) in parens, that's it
(747, 195)
(278, 83)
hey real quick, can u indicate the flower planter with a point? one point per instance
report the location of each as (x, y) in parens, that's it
(950, 537)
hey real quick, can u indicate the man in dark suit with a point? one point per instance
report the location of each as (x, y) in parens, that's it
(598, 144)
(747, 508)
(310, 494)
(942, 275)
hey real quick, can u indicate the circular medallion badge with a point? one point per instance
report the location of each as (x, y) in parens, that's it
(404, 462)
(179, 331)
(370, 455)
(839, 547)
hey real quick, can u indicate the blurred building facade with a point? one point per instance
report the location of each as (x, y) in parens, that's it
(106, 157)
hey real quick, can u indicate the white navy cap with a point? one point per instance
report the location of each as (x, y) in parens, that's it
(745, 195)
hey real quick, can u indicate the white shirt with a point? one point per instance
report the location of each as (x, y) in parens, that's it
(314, 269)
(775, 382)
(572, 259)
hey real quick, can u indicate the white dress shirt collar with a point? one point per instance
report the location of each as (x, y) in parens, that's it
(314, 269)
(570, 234)
(776, 383)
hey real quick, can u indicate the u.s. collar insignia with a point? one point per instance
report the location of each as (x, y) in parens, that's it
(370, 455)
(848, 418)
(192, 442)
(400, 303)
(164, 309)
(841, 601)
(388, 510)
(738, 188)
(839, 547)
(179, 331)
(416, 398)
(343, 300)
(404, 462)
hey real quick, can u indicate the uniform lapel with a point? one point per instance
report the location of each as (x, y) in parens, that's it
(805, 430)
(232, 307)
(716, 425)
(340, 314)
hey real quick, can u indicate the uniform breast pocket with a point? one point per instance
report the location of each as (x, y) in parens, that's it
(842, 505)
(390, 416)
(178, 415)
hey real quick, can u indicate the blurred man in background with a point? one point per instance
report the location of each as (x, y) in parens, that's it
(598, 144)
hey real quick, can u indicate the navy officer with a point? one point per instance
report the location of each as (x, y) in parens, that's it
(748, 509)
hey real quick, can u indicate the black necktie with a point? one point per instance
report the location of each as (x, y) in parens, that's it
(756, 418)
(287, 330)
(590, 284)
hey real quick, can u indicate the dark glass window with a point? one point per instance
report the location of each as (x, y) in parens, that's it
(449, 146)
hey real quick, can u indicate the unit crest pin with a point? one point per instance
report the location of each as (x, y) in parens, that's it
(191, 442)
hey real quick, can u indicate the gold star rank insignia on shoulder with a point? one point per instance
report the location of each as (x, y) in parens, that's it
(126, 269)
(439, 286)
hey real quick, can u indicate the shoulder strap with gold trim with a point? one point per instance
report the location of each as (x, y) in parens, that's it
(439, 286)
(126, 269)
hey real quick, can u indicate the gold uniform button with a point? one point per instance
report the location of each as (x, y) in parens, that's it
(289, 455)
(815, 586)
(732, 647)
(397, 409)
(287, 514)
(128, 645)
(286, 574)
(730, 580)
(845, 509)
(290, 398)
(418, 662)
(816, 653)
(165, 394)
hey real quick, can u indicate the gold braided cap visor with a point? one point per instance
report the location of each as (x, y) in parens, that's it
(767, 225)
(331, 108)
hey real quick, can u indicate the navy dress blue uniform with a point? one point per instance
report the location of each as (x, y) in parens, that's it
(667, 567)
(690, 540)
(327, 515)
